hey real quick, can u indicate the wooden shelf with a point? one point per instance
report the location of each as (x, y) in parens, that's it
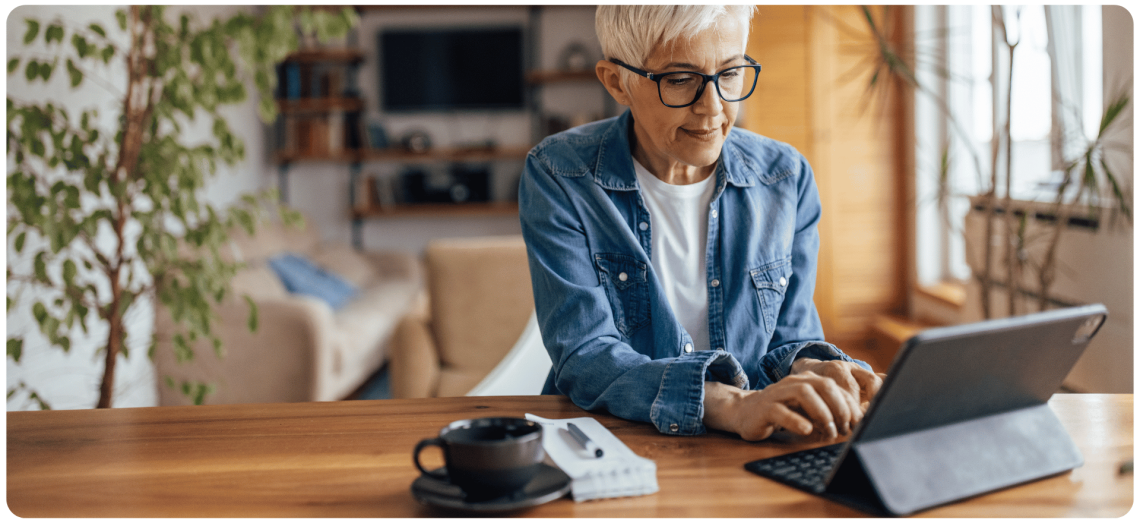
(440, 210)
(547, 77)
(313, 105)
(350, 56)
(440, 155)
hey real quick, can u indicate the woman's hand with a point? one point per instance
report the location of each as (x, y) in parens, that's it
(857, 381)
(801, 403)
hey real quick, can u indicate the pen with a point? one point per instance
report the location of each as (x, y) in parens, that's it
(584, 440)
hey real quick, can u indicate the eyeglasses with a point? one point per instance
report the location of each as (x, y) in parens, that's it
(684, 88)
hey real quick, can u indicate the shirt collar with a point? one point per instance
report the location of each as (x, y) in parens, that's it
(614, 168)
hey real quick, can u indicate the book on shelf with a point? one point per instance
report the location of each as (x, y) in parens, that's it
(336, 122)
(292, 83)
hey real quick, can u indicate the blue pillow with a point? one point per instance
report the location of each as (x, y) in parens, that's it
(301, 276)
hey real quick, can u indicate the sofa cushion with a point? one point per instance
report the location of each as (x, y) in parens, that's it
(480, 300)
(259, 282)
(302, 276)
(345, 262)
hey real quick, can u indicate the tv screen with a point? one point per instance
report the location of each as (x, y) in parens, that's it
(432, 70)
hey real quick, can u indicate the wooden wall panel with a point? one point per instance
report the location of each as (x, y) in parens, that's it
(813, 95)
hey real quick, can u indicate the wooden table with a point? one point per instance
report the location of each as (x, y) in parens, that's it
(353, 458)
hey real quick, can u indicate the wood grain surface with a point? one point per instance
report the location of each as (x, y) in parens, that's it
(353, 459)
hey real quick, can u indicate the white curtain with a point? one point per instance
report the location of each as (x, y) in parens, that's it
(1064, 25)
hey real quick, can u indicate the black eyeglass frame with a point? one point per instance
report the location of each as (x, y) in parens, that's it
(714, 78)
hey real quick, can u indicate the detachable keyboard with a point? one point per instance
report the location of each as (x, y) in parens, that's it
(806, 469)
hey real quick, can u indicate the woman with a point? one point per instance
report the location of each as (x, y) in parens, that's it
(673, 256)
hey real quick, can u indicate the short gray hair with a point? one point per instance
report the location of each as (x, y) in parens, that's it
(630, 32)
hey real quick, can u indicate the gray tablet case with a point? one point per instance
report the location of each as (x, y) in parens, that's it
(963, 412)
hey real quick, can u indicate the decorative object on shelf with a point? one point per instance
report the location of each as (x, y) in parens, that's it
(416, 141)
(463, 184)
(575, 57)
(377, 136)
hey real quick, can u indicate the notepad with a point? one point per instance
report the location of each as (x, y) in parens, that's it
(619, 473)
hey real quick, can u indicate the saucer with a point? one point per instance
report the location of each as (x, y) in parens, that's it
(549, 484)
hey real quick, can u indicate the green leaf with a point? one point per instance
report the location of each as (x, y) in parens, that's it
(39, 312)
(121, 17)
(74, 73)
(13, 64)
(41, 268)
(98, 29)
(45, 70)
(36, 398)
(252, 313)
(33, 31)
(20, 241)
(80, 45)
(32, 70)
(108, 53)
(15, 349)
(1112, 111)
(54, 33)
(69, 272)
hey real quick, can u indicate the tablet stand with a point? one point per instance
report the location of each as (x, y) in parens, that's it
(902, 474)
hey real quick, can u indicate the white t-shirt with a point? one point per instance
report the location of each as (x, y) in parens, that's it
(678, 238)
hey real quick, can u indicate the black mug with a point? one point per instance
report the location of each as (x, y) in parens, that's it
(487, 457)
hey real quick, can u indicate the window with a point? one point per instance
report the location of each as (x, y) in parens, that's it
(1056, 89)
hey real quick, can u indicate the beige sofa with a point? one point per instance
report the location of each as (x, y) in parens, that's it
(302, 349)
(477, 304)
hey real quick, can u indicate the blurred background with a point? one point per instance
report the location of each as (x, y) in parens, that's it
(973, 162)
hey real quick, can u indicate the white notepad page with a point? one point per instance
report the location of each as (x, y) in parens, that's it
(618, 473)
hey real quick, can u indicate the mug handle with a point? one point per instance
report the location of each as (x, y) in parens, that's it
(416, 456)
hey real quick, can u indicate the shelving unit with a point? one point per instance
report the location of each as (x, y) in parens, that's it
(349, 103)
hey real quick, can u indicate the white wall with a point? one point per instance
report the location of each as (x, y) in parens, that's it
(320, 190)
(71, 381)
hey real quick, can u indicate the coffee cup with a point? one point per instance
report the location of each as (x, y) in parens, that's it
(487, 457)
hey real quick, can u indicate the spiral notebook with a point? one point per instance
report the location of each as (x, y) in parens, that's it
(618, 473)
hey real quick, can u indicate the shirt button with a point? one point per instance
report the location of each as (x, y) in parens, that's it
(643, 226)
(713, 213)
(783, 281)
(715, 283)
(673, 427)
(688, 347)
(623, 276)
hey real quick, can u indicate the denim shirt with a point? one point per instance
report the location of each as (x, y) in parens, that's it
(613, 339)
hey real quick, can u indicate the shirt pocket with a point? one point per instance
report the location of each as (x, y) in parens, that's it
(625, 280)
(771, 283)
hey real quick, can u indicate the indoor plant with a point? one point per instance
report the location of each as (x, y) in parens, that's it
(111, 215)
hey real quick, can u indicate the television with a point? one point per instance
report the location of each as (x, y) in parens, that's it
(450, 69)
